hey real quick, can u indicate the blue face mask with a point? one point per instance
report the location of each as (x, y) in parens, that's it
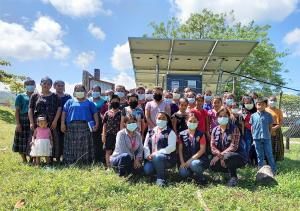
(96, 94)
(229, 102)
(131, 126)
(191, 100)
(30, 88)
(106, 98)
(141, 96)
(168, 100)
(192, 126)
(161, 123)
(223, 120)
(120, 94)
(207, 98)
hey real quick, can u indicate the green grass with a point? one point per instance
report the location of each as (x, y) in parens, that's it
(92, 188)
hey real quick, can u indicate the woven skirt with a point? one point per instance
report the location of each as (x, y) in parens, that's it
(278, 145)
(23, 138)
(78, 144)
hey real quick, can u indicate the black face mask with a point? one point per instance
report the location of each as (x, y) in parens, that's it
(157, 97)
(115, 105)
(133, 104)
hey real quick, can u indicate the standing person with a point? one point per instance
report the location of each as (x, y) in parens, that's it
(59, 87)
(140, 91)
(186, 91)
(48, 104)
(160, 148)
(192, 147)
(248, 108)
(41, 145)
(226, 149)
(128, 153)
(179, 118)
(191, 97)
(77, 115)
(276, 133)
(22, 132)
(212, 114)
(153, 107)
(120, 91)
(176, 96)
(111, 126)
(168, 98)
(207, 98)
(262, 123)
(148, 95)
(229, 100)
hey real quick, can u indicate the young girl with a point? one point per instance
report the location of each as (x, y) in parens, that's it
(111, 126)
(41, 145)
(179, 118)
(192, 147)
(22, 133)
(212, 114)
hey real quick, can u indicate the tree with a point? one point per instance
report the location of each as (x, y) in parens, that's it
(264, 61)
(15, 82)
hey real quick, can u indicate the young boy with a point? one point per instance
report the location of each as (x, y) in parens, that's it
(111, 126)
(262, 122)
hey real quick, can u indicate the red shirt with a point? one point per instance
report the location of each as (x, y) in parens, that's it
(201, 116)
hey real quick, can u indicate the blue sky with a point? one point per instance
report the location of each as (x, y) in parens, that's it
(59, 38)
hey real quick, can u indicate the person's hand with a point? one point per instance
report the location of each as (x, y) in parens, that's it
(223, 164)
(183, 165)
(95, 128)
(149, 157)
(137, 164)
(31, 126)
(53, 125)
(18, 127)
(63, 128)
(214, 160)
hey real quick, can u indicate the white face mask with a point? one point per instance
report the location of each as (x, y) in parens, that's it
(176, 96)
(249, 106)
(149, 96)
(79, 95)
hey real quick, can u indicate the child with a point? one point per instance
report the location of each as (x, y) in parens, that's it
(179, 118)
(111, 126)
(22, 133)
(41, 145)
(207, 97)
(212, 114)
(202, 116)
(262, 123)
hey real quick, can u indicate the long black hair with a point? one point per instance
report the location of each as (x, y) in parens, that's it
(253, 110)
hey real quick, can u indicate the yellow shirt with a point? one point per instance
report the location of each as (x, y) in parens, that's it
(276, 114)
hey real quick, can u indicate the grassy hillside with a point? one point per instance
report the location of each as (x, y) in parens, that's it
(92, 188)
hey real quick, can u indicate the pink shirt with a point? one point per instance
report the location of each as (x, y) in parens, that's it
(43, 133)
(154, 108)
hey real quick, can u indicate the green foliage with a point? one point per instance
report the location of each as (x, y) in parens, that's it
(290, 104)
(92, 188)
(264, 62)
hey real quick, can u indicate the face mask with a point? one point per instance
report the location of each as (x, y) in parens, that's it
(115, 105)
(120, 94)
(229, 102)
(235, 110)
(141, 96)
(30, 88)
(223, 120)
(192, 126)
(191, 100)
(255, 101)
(249, 106)
(96, 94)
(273, 104)
(161, 123)
(176, 96)
(157, 97)
(131, 126)
(79, 95)
(133, 104)
(106, 98)
(168, 100)
(207, 98)
(149, 96)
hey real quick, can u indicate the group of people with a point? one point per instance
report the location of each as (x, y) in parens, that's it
(148, 130)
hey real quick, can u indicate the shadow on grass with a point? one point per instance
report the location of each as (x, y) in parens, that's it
(7, 116)
(288, 165)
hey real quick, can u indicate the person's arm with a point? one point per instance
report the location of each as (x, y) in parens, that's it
(207, 127)
(174, 124)
(213, 147)
(171, 144)
(180, 151)
(148, 116)
(234, 142)
(33, 137)
(122, 124)
(63, 127)
(96, 119)
(146, 147)
(57, 115)
(139, 154)
(17, 116)
(51, 138)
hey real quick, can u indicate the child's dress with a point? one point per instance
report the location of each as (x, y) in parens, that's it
(41, 145)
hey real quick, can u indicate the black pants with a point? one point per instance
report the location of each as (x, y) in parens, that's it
(98, 146)
(233, 161)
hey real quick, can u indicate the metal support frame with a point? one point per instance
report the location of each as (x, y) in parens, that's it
(218, 89)
(170, 56)
(157, 70)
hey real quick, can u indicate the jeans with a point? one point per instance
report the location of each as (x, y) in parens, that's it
(158, 164)
(233, 161)
(263, 148)
(248, 142)
(123, 163)
(196, 167)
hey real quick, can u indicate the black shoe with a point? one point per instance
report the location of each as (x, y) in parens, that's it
(201, 181)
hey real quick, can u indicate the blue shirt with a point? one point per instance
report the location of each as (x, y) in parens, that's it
(260, 122)
(64, 99)
(22, 102)
(81, 111)
(99, 103)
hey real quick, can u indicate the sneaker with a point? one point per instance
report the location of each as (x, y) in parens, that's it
(233, 182)
(160, 182)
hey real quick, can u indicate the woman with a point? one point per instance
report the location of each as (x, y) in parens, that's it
(22, 132)
(276, 134)
(128, 153)
(76, 117)
(192, 147)
(226, 147)
(160, 148)
(48, 104)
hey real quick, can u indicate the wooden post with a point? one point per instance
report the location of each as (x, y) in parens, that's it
(287, 143)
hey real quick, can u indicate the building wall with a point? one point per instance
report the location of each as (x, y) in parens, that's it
(183, 81)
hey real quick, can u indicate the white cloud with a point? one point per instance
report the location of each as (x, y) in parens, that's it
(4, 87)
(292, 39)
(84, 59)
(121, 59)
(78, 8)
(43, 40)
(123, 79)
(96, 32)
(245, 10)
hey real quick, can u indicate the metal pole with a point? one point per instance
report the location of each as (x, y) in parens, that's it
(157, 71)
(218, 89)
(280, 99)
(233, 85)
